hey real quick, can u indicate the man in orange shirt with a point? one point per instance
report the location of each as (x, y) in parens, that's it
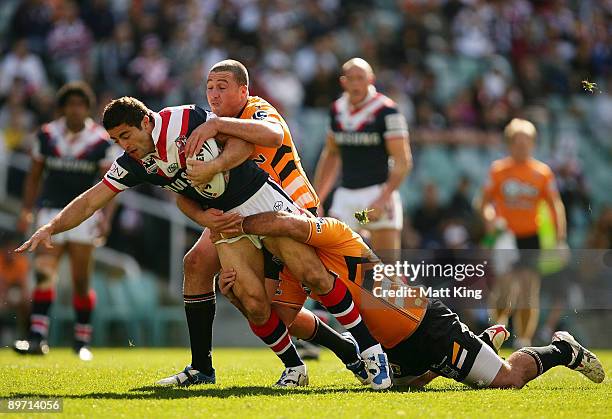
(422, 338)
(515, 187)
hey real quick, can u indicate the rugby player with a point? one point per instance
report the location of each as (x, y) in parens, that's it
(422, 339)
(69, 154)
(368, 140)
(153, 144)
(256, 121)
(516, 186)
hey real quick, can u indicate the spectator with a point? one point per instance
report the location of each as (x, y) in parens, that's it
(428, 216)
(69, 44)
(21, 63)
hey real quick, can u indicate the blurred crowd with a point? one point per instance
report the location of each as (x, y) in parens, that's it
(459, 69)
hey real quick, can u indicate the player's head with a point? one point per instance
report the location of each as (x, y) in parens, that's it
(130, 124)
(227, 87)
(520, 135)
(357, 76)
(75, 101)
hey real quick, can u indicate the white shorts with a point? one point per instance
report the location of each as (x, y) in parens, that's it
(347, 202)
(270, 197)
(84, 233)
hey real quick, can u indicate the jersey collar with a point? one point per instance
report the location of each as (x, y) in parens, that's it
(369, 96)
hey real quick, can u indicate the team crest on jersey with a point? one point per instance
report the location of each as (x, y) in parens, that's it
(181, 142)
(150, 164)
(173, 167)
(260, 114)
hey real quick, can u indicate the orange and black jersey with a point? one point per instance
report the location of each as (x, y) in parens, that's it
(516, 189)
(344, 253)
(282, 163)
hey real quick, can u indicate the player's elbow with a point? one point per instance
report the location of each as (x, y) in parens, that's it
(276, 137)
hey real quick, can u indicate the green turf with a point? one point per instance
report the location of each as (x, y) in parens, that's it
(118, 383)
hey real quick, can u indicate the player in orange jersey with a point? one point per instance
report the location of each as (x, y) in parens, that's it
(256, 121)
(422, 338)
(516, 186)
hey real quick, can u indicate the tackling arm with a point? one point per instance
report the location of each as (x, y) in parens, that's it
(235, 152)
(277, 224)
(264, 133)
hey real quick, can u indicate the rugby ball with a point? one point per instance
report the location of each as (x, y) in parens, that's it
(215, 188)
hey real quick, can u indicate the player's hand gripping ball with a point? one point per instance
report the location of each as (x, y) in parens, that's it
(215, 188)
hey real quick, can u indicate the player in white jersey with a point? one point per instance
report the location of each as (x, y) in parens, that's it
(68, 155)
(368, 144)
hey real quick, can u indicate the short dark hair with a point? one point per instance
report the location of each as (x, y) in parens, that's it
(125, 110)
(238, 70)
(76, 88)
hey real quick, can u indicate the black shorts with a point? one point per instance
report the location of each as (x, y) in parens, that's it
(446, 346)
(528, 252)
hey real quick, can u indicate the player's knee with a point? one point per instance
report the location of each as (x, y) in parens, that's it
(192, 261)
(317, 279)
(43, 277)
(257, 309)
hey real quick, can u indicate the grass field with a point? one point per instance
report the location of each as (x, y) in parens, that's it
(119, 383)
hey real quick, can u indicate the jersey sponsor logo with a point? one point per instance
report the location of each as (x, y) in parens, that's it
(70, 165)
(357, 138)
(150, 164)
(260, 114)
(179, 184)
(515, 189)
(117, 172)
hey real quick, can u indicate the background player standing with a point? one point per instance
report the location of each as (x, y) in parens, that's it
(516, 186)
(368, 140)
(69, 154)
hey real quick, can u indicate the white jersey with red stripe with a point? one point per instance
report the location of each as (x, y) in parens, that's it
(361, 133)
(72, 160)
(166, 166)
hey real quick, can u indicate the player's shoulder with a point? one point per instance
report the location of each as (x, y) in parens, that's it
(500, 165)
(387, 104)
(539, 167)
(258, 108)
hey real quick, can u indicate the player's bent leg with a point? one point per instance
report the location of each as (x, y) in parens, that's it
(304, 263)
(200, 265)
(528, 363)
(288, 297)
(247, 261)
(43, 295)
(84, 298)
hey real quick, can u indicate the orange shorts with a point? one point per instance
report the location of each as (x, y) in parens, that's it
(289, 291)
